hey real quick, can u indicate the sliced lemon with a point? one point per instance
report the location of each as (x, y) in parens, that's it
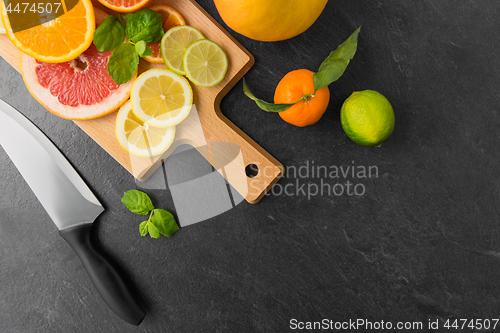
(138, 138)
(161, 98)
(205, 63)
(175, 42)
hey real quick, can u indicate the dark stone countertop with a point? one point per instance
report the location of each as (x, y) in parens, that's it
(422, 243)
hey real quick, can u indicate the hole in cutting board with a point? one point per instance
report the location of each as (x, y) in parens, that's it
(252, 171)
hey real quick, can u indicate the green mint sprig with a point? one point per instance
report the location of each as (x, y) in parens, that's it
(160, 221)
(330, 71)
(139, 28)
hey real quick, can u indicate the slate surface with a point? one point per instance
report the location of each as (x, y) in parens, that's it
(422, 243)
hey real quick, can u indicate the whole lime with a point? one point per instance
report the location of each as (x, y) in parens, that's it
(367, 118)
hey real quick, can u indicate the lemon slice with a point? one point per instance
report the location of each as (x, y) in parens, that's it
(138, 138)
(161, 98)
(175, 42)
(205, 63)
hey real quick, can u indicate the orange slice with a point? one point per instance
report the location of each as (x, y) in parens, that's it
(125, 6)
(2, 29)
(171, 18)
(59, 40)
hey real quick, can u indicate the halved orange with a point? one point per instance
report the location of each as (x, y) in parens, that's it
(59, 40)
(2, 29)
(171, 18)
(125, 6)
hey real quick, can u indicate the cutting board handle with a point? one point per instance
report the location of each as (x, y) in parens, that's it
(253, 172)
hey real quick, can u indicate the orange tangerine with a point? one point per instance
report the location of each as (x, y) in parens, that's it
(292, 88)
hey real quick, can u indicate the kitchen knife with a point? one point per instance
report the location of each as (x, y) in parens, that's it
(69, 203)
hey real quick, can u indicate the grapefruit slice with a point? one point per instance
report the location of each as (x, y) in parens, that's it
(125, 6)
(59, 40)
(79, 89)
(171, 18)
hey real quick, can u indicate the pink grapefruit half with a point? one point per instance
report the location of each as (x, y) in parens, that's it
(79, 89)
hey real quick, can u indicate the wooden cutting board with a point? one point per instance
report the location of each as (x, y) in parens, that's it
(223, 144)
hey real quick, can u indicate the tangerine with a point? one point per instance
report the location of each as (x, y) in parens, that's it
(292, 88)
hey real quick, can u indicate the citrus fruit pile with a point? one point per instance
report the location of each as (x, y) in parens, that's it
(78, 88)
(162, 98)
(62, 68)
(69, 75)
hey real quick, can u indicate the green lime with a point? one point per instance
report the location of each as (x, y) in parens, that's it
(205, 63)
(174, 43)
(367, 118)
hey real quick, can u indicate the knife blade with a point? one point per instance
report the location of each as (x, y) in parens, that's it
(68, 201)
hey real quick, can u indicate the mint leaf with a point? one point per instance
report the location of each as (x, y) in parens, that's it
(143, 228)
(123, 63)
(147, 52)
(165, 222)
(140, 48)
(145, 25)
(160, 221)
(159, 35)
(129, 16)
(137, 202)
(336, 63)
(110, 34)
(269, 107)
(153, 231)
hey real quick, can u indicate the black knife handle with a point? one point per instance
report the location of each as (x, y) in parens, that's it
(105, 278)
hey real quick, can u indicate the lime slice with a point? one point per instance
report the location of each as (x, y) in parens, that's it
(161, 98)
(139, 139)
(205, 63)
(175, 42)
